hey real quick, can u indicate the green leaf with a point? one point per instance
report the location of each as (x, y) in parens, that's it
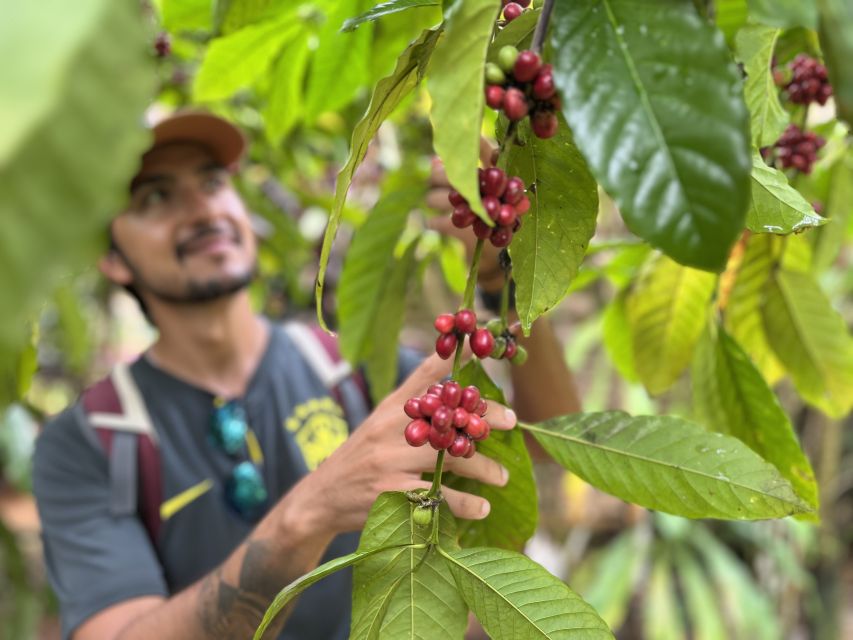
(77, 90)
(548, 249)
(784, 13)
(742, 317)
(731, 397)
(768, 119)
(187, 15)
(388, 93)
(666, 310)
(668, 464)
(236, 61)
(285, 103)
(516, 599)
(454, 264)
(776, 207)
(232, 15)
(836, 40)
(455, 86)
(381, 357)
(662, 619)
(839, 210)
(286, 595)
(368, 268)
(517, 33)
(617, 338)
(384, 9)
(655, 103)
(810, 338)
(340, 66)
(513, 515)
(730, 16)
(405, 592)
(700, 599)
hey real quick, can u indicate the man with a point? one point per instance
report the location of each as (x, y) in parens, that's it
(185, 246)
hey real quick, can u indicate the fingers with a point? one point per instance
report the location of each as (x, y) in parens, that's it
(480, 468)
(437, 174)
(428, 372)
(463, 505)
(436, 198)
(500, 417)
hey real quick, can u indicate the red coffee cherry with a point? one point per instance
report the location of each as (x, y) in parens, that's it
(442, 418)
(482, 407)
(417, 432)
(501, 237)
(506, 216)
(492, 206)
(163, 44)
(460, 445)
(429, 404)
(456, 198)
(543, 86)
(445, 323)
(445, 345)
(451, 395)
(512, 10)
(463, 216)
(482, 342)
(495, 96)
(481, 229)
(494, 181)
(526, 66)
(435, 390)
(439, 440)
(466, 321)
(460, 417)
(412, 408)
(544, 124)
(511, 349)
(522, 206)
(514, 190)
(470, 398)
(515, 104)
(477, 427)
(472, 449)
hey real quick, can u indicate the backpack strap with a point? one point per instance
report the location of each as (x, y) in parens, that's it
(116, 412)
(346, 386)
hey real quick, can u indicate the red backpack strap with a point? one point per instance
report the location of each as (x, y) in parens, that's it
(347, 387)
(117, 414)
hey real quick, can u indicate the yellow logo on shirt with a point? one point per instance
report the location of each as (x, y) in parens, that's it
(319, 428)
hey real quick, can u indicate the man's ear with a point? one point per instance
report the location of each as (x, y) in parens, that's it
(115, 269)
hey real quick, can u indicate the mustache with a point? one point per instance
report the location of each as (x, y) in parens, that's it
(201, 232)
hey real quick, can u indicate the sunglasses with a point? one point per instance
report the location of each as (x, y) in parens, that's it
(245, 491)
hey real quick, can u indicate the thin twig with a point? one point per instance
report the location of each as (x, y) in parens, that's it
(542, 26)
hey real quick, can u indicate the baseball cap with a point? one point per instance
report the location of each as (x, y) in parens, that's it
(224, 140)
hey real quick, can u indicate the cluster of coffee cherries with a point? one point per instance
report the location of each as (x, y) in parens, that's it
(798, 149)
(505, 345)
(504, 200)
(809, 81)
(492, 341)
(162, 44)
(520, 85)
(513, 9)
(448, 417)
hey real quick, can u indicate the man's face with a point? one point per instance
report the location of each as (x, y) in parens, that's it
(186, 235)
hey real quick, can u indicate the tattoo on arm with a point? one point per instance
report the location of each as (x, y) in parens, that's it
(234, 611)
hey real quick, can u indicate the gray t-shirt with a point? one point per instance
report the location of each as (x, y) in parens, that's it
(95, 559)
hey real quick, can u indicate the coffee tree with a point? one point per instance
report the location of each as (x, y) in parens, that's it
(700, 135)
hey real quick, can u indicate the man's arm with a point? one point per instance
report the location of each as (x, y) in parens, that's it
(291, 539)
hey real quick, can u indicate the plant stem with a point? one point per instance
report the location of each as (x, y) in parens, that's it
(435, 489)
(468, 299)
(509, 137)
(542, 26)
(505, 300)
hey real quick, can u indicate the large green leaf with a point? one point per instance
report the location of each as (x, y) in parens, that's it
(836, 39)
(839, 210)
(340, 66)
(776, 207)
(384, 9)
(730, 16)
(381, 357)
(810, 338)
(386, 96)
(516, 599)
(367, 270)
(616, 335)
(784, 13)
(285, 101)
(655, 103)
(552, 241)
(668, 464)
(513, 515)
(76, 81)
(235, 61)
(187, 15)
(666, 311)
(455, 85)
(731, 397)
(742, 317)
(768, 119)
(405, 592)
(231, 15)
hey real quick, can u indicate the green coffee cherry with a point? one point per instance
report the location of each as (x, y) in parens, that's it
(495, 326)
(506, 58)
(520, 356)
(499, 348)
(494, 74)
(422, 516)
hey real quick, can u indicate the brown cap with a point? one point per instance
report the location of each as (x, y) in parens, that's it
(223, 139)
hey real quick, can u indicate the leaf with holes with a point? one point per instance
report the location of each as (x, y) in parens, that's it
(668, 464)
(405, 592)
(516, 599)
(666, 310)
(455, 86)
(776, 207)
(655, 103)
(768, 119)
(388, 93)
(731, 397)
(548, 249)
(810, 338)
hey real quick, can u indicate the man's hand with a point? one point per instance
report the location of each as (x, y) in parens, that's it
(377, 458)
